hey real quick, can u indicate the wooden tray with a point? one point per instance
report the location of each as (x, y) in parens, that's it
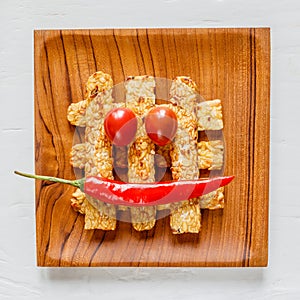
(230, 64)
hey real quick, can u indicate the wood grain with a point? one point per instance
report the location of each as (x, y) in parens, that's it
(230, 64)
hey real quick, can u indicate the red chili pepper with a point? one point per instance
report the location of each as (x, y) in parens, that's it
(141, 194)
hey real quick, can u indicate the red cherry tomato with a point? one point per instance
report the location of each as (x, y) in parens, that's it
(120, 126)
(161, 125)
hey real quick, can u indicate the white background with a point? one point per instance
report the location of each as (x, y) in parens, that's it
(20, 278)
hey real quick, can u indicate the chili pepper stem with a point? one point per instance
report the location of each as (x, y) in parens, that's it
(77, 183)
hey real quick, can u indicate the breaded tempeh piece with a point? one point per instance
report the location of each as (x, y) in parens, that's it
(184, 167)
(210, 155)
(143, 218)
(137, 89)
(183, 92)
(99, 97)
(184, 147)
(213, 200)
(140, 98)
(141, 169)
(78, 156)
(102, 149)
(209, 115)
(96, 83)
(186, 218)
(95, 114)
(93, 218)
(184, 154)
(77, 201)
(76, 113)
(103, 155)
(141, 158)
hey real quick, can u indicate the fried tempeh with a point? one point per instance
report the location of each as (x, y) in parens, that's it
(184, 154)
(184, 92)
(213, 200)
(76, 113)
(140, 98)
(186, 218)
(97, 147)
(96, 83)
(210, 155)
(184, 167)
(209, 115)
(93, 218)
(139, 88)
(78, 156)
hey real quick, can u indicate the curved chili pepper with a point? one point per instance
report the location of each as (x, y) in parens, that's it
(140, 194)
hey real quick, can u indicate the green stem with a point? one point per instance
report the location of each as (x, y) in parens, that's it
(77, 183)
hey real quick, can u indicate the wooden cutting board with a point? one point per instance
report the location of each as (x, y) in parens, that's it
(230, 64)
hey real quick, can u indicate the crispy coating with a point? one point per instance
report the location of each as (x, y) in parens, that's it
(78, 156)
(76, 113)
(97, 83)
(184, 93)
(94, 218)
(140, 98)
(186, 218)
(209, 115)
(213, 200)
(95, 154)
(184, 166)
(210, 155)
(184, 154)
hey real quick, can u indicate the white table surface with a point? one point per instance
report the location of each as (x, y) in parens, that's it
(21, 279)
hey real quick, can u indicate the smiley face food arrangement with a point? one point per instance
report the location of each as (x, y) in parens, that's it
(145, 139)
(142, 136)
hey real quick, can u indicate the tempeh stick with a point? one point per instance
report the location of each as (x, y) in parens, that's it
(97, 151)
(209, 115)
(210, 155)
(78, 156)
(140, 98)
(213, 200)
(76, 113)
(96, 83)
(183, 92)
(187, 216)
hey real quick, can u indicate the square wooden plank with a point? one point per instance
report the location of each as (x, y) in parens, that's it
(230, 64)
